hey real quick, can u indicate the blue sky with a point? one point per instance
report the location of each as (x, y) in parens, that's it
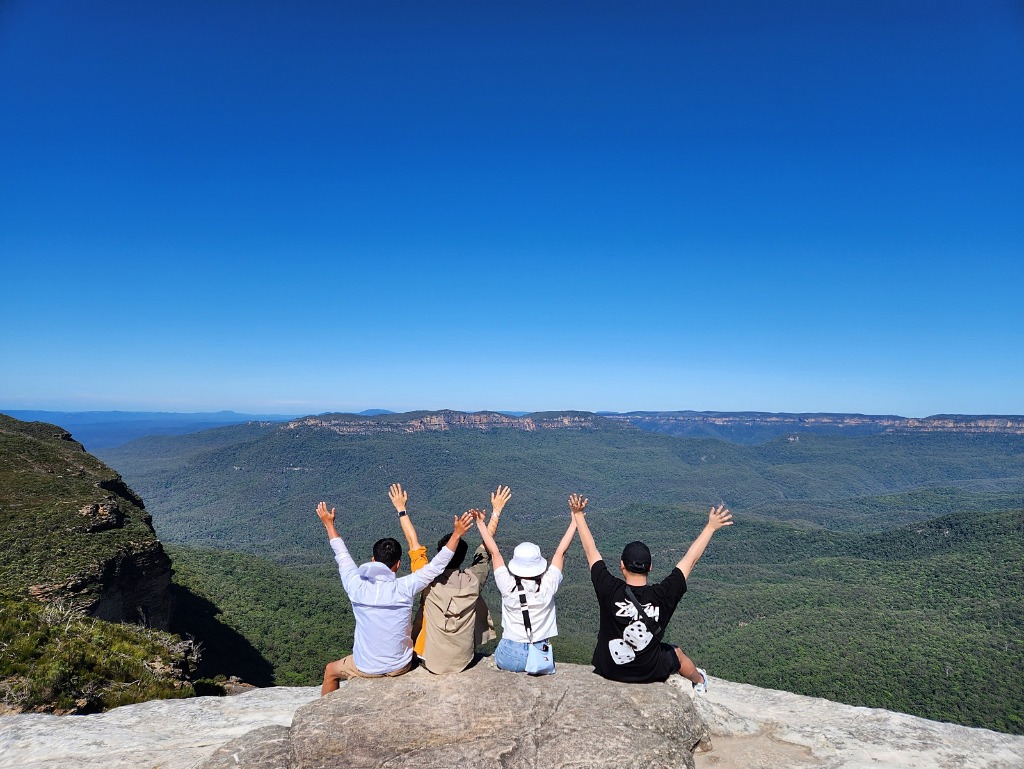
(786, 206)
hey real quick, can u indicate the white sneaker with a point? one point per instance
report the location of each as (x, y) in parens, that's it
(702, 687)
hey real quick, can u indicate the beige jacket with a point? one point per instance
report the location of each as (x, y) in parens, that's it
(455, 617)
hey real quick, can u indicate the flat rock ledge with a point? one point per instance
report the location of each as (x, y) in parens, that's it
(482, 718)
(754, 728)
(751, 728)
(159, 734)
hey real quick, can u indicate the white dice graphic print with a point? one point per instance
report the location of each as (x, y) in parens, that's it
(621, 651)
(637, 635)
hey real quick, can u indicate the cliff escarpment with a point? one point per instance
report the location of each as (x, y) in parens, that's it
(72, 530)
(754, 426)
(443, 421)
(739, 427)
(85, 594)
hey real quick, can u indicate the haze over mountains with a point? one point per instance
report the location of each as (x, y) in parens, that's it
(103, 429)
(100, 429)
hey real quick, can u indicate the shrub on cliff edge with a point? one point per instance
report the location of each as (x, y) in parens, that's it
(53, 659)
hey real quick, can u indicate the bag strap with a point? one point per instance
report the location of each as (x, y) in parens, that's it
(526, 611)
(650, 623)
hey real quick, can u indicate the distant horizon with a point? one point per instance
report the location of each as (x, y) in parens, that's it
(358, 412)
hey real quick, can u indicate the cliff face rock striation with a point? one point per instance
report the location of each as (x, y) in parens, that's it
(71, 529)
(442, 421)
(758, 426)
(739, 426)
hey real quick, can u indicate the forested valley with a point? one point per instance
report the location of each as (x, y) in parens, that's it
(881, 570)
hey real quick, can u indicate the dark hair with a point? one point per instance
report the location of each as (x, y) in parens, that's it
(387, 551)
(460, 551)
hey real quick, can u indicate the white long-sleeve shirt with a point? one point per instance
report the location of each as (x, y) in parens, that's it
(382, 604)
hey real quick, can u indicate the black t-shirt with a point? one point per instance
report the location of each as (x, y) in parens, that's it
(628, 656)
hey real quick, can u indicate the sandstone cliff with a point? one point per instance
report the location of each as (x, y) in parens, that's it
(765, 425)
(731, 425)
(71, 529)
(442, 421)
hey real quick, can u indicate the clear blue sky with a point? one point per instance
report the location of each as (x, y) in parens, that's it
(302, 207)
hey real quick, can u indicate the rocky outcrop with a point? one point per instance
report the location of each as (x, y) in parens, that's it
(483, 717)
(442, 421)
(136, 587)
(766, 425)
(750, 728)
(71, 529)
(732, 425)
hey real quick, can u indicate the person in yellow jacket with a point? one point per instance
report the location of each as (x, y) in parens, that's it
(453, 620)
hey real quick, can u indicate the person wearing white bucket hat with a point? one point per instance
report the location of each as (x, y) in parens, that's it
(527, 585)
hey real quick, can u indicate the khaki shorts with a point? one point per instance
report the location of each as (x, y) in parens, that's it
(347, 668)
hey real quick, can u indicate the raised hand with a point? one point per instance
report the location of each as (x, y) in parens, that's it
(478, 515)
(719, 517)
(398, 497)
(499, 498)
(577, 504)
(463, 523)
(325, 516)
(578, 507)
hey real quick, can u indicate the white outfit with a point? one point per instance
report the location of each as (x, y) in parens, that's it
(382, 604)
(540, 600)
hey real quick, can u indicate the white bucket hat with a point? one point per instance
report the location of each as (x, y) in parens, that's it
(527, 561)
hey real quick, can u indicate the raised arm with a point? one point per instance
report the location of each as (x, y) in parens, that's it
(327, 517)
(399, 498)
(424, 576)
(717, 518)
(485, 533)
(558, 559)
(346, 566)
(578, 506)
(498, 500)
(462, 524)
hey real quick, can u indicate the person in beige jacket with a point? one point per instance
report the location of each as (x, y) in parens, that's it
(453, 619)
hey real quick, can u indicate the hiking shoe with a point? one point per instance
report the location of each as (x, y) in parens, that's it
(702, 687)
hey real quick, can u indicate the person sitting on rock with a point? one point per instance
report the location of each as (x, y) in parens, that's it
(635, 613)
(382, 603)
(527, 587)
(453, 619)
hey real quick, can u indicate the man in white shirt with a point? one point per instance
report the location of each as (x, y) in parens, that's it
(382, 603)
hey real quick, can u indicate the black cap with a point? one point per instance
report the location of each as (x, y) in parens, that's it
(636, 557)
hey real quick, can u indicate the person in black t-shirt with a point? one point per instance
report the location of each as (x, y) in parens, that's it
(634, 612)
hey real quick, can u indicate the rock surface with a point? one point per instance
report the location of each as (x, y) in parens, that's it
(160, 734)
(483, 717)
(756, 728)
(751, 728)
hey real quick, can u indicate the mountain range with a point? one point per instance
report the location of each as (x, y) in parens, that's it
(104, 429)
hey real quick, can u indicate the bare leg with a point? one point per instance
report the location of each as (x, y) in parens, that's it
(333, 676)
(687, 669)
